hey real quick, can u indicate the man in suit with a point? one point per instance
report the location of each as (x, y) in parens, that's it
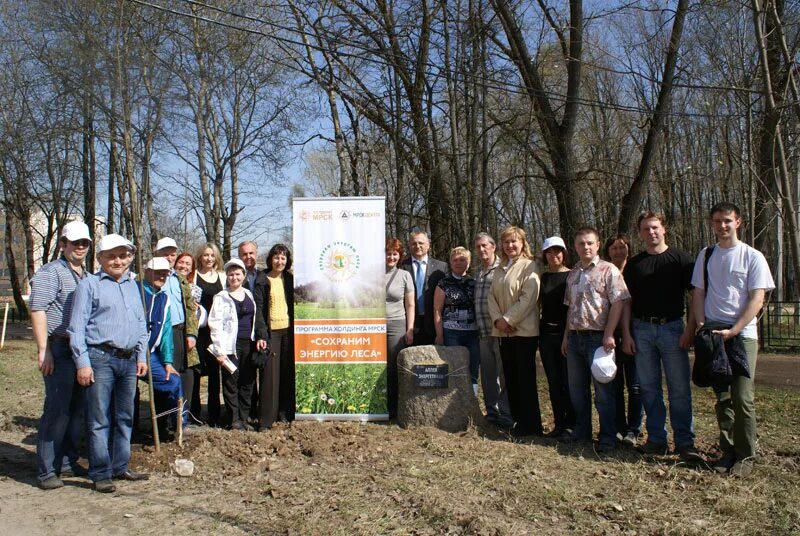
(426, 273)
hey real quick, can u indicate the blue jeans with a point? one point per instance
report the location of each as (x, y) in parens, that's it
(471, 341)
(579, 364)
(657, 346)
(114, 381)
(630, 423)
(62, 417)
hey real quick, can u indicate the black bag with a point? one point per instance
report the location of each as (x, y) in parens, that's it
(260, 358)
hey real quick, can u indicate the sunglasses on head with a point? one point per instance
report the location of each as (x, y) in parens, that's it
(82, 243)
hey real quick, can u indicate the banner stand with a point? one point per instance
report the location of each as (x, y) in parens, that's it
(340, 308)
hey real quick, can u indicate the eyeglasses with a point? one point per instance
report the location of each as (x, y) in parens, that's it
(82, 243)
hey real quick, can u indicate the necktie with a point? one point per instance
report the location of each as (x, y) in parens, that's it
(420, 283)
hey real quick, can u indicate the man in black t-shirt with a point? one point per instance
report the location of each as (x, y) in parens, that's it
(658, 279)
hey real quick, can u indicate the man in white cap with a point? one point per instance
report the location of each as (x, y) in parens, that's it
(108, 337)
(184, 321)
(595, 294)
(166, 380)
(52, 290)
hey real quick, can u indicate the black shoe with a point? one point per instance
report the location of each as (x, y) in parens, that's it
(629, 440)
(605, 448)
(725, 462)
(554, 433)
(51, 483)
(690, 454)
(653, 449)
(132, 476)
(105, 486)
(571, 439)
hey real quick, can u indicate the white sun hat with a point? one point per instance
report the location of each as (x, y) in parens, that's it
(76, 230)
(157, 263)
(234, 263)
(165, 242)
(112, 241)
(554, 241)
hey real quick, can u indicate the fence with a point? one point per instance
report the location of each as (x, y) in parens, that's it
(779, 327)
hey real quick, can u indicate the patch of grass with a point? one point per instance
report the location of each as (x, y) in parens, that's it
(315, 311)
(341, 388)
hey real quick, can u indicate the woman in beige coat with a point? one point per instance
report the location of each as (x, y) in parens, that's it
(514, 309)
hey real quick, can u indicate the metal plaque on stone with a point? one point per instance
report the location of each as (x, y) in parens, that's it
(432, 376)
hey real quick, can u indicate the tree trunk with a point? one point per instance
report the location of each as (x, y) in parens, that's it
(11, 265)
(632, 199)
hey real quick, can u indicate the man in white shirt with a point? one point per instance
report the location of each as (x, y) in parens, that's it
(738, 280)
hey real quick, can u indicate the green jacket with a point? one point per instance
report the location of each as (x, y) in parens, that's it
(189, 307)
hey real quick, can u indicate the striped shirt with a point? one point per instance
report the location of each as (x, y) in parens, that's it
(483, 286)
(107, 312)
(52, 289)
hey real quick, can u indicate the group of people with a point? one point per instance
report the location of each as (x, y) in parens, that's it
(233, 323)
(192, 314)
(629, 310)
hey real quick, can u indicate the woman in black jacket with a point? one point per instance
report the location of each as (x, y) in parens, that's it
(274, 294)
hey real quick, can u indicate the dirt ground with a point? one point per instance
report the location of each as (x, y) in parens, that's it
(350, 478)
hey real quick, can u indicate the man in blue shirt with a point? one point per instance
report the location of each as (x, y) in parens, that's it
(108, 337)
(52, 290)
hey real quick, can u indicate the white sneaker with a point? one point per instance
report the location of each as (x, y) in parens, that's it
(475, 389)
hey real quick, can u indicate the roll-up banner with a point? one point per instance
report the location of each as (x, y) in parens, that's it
(340, 308)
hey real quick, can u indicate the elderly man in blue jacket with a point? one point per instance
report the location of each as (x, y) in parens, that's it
(166, 380)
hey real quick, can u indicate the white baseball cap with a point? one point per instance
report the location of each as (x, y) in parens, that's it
(165, 242)
(554, 241)
(76, 230)
(112, 241)
(603, 366)
(157, 263)
(234, 263)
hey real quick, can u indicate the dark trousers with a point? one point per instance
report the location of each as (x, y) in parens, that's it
(395, 342)
(286, 393)
(180, 362)
(421, 335)
(555, 368)
(269, 380)
(519, 355)
(237, 388)
(212, 371)
(196, 406)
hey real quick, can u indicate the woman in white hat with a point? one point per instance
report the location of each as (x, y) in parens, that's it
(552, 325)
(238, 336)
